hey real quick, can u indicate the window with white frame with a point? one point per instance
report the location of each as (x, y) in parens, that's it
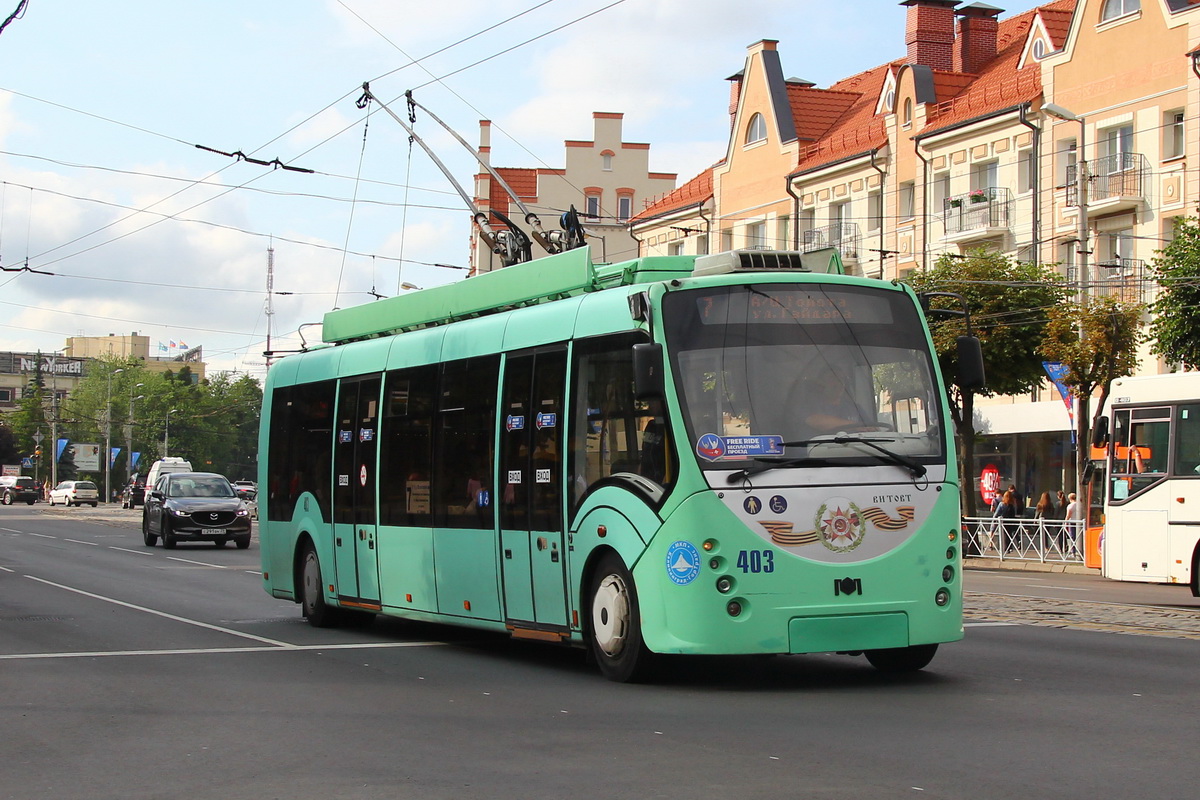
(592, 207)
(874, 210)
(939, 189)
(624, 208)
(1173, 134)
(675, 249)
(756, 236)
(1068, 158)
(783, 233)
(606, 162)
(726, 240)
(908, 200)
(6, 395)
(1026, 170)
(702, 245)
(756, 131)
(984, 175)
(1119, 8)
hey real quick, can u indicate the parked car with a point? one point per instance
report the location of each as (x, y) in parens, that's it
(134, 493)
(18, 488)
(75, 493)
(194, 507)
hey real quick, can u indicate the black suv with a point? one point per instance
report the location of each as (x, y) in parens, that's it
(134, 493)
(15, 488)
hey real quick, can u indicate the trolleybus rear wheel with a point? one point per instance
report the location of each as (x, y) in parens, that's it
(902, 659)
(614, 631)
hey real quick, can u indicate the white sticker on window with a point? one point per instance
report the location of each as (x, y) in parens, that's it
(514, 476)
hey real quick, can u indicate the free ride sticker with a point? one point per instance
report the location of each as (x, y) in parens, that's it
(712, 447)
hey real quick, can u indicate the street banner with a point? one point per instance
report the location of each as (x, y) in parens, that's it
(1058, 373)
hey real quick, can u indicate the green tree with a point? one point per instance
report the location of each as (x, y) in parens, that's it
(1175, 315)
(1008, 303)
(1097, 342)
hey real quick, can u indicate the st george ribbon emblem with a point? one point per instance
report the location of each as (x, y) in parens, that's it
(840, 525)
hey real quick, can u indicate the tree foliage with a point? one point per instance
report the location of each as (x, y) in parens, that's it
(1008, 303)
(1175, 315)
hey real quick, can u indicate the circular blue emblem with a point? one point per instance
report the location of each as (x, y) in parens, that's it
(683, 562)
(710, 447)
(778, 504)
(752, 505)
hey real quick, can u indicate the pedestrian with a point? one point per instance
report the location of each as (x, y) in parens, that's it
(1062, 504)
(1045, 507)
(1072, 522)
(1018, 504)
(1005, 511)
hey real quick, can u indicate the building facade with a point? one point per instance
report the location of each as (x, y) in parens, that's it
(980, 134)
(605, 178)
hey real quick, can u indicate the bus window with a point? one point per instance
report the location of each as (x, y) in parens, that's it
(1141, 442)
(465, 433)
(611, 431)
(406, 442)
(1187, 439)
(299, 457)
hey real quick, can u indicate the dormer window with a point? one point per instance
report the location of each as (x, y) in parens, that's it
(606, 161)
(1119, 8)
(906, 119)
(756, 131)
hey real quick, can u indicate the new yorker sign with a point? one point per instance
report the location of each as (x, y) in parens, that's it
(18, 363)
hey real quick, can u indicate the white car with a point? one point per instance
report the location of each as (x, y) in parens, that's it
(75, 493)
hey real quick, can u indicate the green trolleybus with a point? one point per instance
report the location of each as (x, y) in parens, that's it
(744, 452)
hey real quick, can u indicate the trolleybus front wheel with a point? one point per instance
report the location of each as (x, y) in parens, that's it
(614, 632)
(902, 659)
(312, 593)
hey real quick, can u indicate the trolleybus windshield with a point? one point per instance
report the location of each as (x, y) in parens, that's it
(787, 371)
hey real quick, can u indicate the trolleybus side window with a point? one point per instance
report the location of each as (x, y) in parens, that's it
(406, 457)
(299, 457)
(465, 433)
(611, 432)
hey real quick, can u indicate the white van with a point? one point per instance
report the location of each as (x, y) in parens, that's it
(164, 466)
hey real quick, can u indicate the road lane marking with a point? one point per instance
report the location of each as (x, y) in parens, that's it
(127, 550)
(220, 650)
(199, 563)
(76, 541)
(11, 530)
(163, 614)
(6, 569)
(991, 625)
(41, 535)
(1058, 588)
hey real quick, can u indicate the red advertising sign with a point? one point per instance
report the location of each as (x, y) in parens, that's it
(989, 483)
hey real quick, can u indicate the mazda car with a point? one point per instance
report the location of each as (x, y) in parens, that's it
(194, 507)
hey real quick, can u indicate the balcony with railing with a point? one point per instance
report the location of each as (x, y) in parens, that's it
(1125, 279)
(1117, 183)
(979, 214)
(842, 235)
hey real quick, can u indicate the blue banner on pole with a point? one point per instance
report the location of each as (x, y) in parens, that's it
(61, 445)
(112, 456)
(134, 459)
(1058, 374)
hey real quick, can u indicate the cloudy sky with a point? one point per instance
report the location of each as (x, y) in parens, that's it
(102, 106)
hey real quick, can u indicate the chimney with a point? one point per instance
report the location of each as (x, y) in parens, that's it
(929, 33)
(735, 94)
(975, 44)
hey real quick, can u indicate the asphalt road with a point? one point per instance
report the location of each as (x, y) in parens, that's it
(129, 672)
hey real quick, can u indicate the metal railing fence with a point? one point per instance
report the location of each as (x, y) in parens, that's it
(1053, 541)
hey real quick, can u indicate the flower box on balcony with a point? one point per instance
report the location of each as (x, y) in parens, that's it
(978, 196)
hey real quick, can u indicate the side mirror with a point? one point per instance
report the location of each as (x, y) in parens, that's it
(1100, 432)
(970, 364)
(648, 371)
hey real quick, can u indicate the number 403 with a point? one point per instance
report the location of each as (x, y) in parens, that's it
(756, 560)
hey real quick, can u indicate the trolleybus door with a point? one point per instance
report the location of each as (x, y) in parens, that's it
(354, 463)
(531, 474)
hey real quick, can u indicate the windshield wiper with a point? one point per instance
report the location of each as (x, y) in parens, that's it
(916, 468)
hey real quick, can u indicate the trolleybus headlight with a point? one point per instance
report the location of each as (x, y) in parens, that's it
(709, 545)
(714, 563)
(942, 597)
(950, 553)
(724, 584)
(947, 574)
(734, 608)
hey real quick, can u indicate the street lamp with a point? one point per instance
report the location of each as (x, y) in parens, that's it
(1082, 179)
(167, 431)
(108, 437)
(129, 432)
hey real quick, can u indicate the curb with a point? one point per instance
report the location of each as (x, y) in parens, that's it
(1028, 566)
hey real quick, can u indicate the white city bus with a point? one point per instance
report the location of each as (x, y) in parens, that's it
(1152, 502)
